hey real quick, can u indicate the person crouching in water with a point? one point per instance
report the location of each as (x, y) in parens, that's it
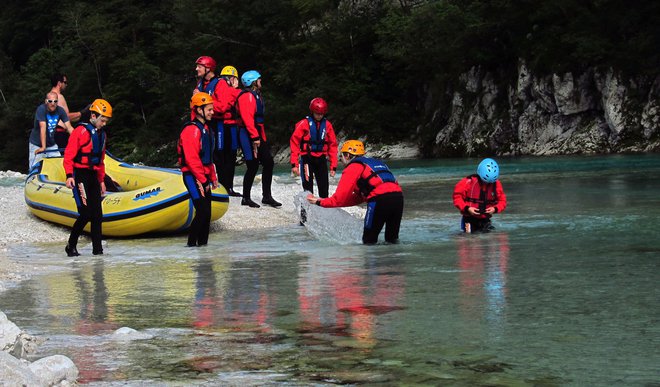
(370, 180)
(479, 196)
(85, 172)
(313, 143)
(196, 144)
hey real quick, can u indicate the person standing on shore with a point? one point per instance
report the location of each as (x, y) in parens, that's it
(42, 137)
(85, 173)
(195, 148)
(479, 196)
(312, 143)
(227, 133)
(370, 180)
(252, 133)
(59, 83)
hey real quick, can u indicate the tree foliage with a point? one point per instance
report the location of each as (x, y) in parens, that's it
(375, 61)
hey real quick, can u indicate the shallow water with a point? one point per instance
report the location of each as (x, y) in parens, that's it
(564, 292)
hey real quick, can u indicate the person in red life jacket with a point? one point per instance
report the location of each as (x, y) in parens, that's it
(252, 139)
(479, 196)
(227, 129)
(370, 180)
(312, 143)
(224, 90)
(85, 173)
(195, 148)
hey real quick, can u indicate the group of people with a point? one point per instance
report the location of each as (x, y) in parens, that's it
(224, 118)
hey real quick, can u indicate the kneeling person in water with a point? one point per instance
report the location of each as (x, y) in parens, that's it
(370, 180)
(479, 196)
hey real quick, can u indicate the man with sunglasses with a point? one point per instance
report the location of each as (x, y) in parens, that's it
(59, 83)
(42, 138)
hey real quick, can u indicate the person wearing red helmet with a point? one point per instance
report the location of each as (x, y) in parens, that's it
(313, 143)
(368, 180)
(224, 90)
(195, 148)
(85, 174)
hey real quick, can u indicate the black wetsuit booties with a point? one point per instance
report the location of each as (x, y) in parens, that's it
(87, 193)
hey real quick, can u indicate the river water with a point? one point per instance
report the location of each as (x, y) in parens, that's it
(565, 291)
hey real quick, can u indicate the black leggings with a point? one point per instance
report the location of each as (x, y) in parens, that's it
(265, 158)
(198, 234)
(387, 210)
(314, 168)
(87, 193)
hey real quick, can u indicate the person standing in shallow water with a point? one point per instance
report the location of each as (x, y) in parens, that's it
(312, 143)
(195, 148)
(479, 196)
(85, 172)
(370, 180)
(252, 139)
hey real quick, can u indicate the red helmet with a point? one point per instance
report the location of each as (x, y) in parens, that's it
(207, 62)
(318, 105)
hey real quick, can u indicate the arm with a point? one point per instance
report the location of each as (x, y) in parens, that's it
(459, 196)
(347, 193)
(294, 142)
(70, 152)
(501, 198)
(247, 108)
(42, 137)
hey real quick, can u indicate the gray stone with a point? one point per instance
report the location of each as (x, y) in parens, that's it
(14, 372)
(53, 370)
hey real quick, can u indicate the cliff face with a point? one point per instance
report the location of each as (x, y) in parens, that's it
(593, 112)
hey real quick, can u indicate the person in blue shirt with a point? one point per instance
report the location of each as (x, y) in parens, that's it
(42, 138)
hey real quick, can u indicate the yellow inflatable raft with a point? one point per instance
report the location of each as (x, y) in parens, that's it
(151, 200)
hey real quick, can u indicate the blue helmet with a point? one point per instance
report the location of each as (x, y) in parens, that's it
(249, 77)
(488, 170)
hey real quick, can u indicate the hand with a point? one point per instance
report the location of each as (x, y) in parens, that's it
(255, 147)
(200, 186)
(473, 211)
(102, 189)
(490, 210)
(312, 199)
(70, 182)
(215, 184)
(295, 171)
(39, 150)
(195, 91)
(233, 82)
(333, 173)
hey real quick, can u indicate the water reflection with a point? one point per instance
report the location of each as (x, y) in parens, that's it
(343, 296)
(483, 264)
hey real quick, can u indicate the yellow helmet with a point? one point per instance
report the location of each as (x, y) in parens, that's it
(101, 107)
(200, 99)
(354, 147)
(229, 70)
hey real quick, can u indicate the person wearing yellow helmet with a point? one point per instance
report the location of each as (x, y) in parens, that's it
(85, 174)
(195, 149)
(368, 180)
(227, 129)
(313, 143)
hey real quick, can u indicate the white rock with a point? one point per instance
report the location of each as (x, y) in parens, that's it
(14, 372)
(8, 333)
(54, 369)
(128, 334)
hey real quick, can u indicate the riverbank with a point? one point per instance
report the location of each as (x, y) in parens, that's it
(19, 226)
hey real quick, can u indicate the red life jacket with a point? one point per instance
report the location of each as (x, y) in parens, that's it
(481, 199)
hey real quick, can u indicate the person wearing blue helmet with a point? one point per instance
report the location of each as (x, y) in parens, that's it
(252, 140)
(479, 196)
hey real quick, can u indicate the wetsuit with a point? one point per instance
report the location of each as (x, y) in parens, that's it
(472, 192)
(312, 144)
(196, 144)
(83, 160)
(370, 180)
(251, 110)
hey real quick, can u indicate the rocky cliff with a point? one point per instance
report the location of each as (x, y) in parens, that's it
(530, 114)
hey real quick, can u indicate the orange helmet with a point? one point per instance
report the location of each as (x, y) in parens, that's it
(354, 147)
(200, 99)
(101, 107)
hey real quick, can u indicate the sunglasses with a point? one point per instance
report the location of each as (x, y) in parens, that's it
(51, 100)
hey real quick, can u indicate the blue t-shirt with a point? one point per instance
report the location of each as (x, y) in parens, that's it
(51, 119)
